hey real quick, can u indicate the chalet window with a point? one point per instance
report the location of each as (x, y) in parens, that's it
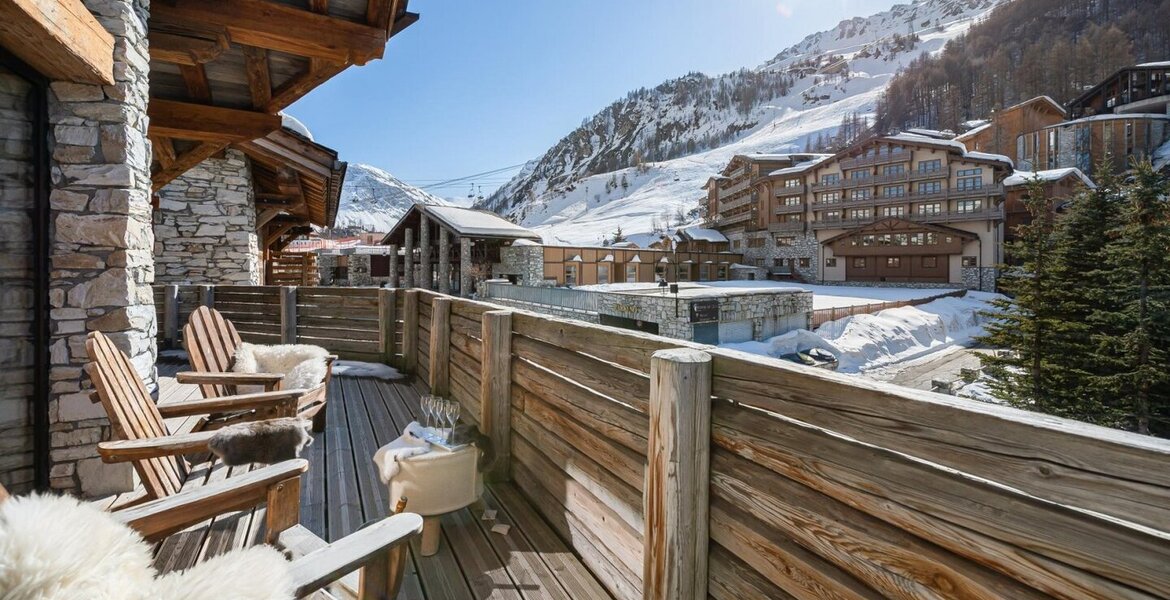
(968, 206)
(804, 263)
(830, 178)
(786, 240)
(970, 179)
(570, 274)
(684, 272)
(602, 273)
(791, 183)
(1107, 137)
(929, 262)
(831, 215)
(831, 262)
(859, 262)
(868, 240)
(631, 273)
(861, 213)
(901, 239)
(792, 201)
(829, 198)
(659, 272)
(893, 211)
(860, 174)
(379, 265)
(929, 187)
(893, 191)
(930, 166)
(1129, 141)
(735, 244)
(721, 272)
(930, 208)
(1052, 147)
(897, 169)
(932, 239)
(756, 242)
(893, 262)
(793, 219)
(970, 261)
(864, 194)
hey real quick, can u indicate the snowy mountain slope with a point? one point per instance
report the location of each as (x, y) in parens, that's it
(605, 174)
(374, 200)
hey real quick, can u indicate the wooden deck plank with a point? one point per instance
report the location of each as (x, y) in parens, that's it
(531, 575)
(343, 508)
(477, 559)
(371, 491)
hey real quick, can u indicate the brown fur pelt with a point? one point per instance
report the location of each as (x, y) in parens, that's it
(469, 433)
(265, 442)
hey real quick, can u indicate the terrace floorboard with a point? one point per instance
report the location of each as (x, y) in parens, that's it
(342, 491)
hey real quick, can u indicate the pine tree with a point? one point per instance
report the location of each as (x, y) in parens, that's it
(1078, 259)
(1134, 332)
(618, 235)
(1023, 324)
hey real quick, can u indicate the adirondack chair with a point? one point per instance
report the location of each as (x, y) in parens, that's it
(172, 505)
(211, 342)
(379, 550)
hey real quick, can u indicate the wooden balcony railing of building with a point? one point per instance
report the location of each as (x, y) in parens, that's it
(292, 268)
(682, 471)
(786, 227)
(877, 159)
(787, 209)
(723, 221)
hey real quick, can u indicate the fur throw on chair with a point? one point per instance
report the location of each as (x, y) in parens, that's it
(302, 365)
(264, 442)
(57, 547)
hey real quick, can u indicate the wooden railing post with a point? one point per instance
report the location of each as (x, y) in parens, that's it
(440, 371)
(171, 316)
(676, 499)
(410, 331)
(495, 390)
(207, 296)
(387, 322)
(288, 314)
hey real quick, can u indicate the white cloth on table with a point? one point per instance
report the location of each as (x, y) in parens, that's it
(409, 444)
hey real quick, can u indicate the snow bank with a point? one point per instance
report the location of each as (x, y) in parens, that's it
(864, 342)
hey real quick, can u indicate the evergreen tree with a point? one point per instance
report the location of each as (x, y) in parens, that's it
(618, 235)
(1078, 259)
(1134, 331)
(1023, 324)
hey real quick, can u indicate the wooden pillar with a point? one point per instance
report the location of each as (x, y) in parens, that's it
(495, 390)
(288, 314)
(444, 261)
(171, 316)
(424, 254)
(207, 296)
(410, 331)
(387, 323)
(408, 259)
(394, 266)
(465, 284)
(440, 346)
(676, 499)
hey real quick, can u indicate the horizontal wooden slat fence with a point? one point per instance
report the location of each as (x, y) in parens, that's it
(821, 316)
(817, 485)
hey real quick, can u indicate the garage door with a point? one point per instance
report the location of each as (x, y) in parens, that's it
(735, 331)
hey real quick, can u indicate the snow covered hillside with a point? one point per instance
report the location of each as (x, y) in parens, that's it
(608, 172)
(374, 200)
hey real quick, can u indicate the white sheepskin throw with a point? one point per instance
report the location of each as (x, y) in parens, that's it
(56, 547)
(302, 365)
(357, 368)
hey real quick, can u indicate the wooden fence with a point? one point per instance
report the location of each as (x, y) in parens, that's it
(683, 471)
(821, 316)
(291, 268)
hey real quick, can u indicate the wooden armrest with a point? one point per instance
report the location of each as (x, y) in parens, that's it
(228, 378)
(282, 399)
(316, 569)
(131, 450)
(159, 518)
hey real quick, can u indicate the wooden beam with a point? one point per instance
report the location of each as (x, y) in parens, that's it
(495, 391)
(677, 476)
(164, 151)
(278, 230)
(402, 22)
(274, 26)
(179, 49)
(379, 12)
(187, 121)
(195, 78)
(317, 73)
(287, 238)
(440, 368)
(410, 331)
(184, 162)
(58, 38)
(259, 77)
(282, 155)
(387, 323)
(265, 217)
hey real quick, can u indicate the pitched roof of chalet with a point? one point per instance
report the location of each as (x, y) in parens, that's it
(463, 222)
(700, 234)
(887, 224)
(296, 176)
(952, 146)
(1019, 178)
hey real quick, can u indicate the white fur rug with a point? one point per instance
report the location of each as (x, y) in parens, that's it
(56, 547)
(357, 368)
(302, 365)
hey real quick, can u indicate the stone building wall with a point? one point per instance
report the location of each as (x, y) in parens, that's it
(101, 245)
(525, 262)
(205, 225)
(806, 246)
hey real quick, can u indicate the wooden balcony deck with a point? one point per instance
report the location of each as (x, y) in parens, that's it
(342, 491)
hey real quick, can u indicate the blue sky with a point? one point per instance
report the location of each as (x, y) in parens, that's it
(477, 85)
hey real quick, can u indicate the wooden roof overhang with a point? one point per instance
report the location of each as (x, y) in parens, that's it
(221, 70)
(840, 246)
(297, 181)
(58, 38)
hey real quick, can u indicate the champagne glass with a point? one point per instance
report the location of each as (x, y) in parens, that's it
(452, 419)
(425, 407)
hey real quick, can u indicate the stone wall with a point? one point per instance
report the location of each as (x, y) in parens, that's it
(205, 225)
(102, 245)
(525, 262)
(805, 246)
(972, 280)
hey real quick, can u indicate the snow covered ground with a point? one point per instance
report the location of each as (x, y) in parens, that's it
(863, 343)
(824, 296)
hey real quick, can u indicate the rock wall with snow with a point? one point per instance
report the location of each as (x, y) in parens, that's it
(641, 162)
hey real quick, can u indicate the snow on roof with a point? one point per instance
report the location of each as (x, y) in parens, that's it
(973, 123)
(989, 156)
(524, 242)
(576, 258)
(636, 259)
(1047, 99)
(1164, 63)
(290, 122)
(802, 166)
(702, 234)
(950, 144)
(1110, 117)
(932, 133)
(608, 258)
(624, 245)
(1023, 177)
(973, 131)
(471, 222)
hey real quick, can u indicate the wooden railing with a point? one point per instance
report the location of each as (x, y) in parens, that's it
(683, 471)
(292, 268)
